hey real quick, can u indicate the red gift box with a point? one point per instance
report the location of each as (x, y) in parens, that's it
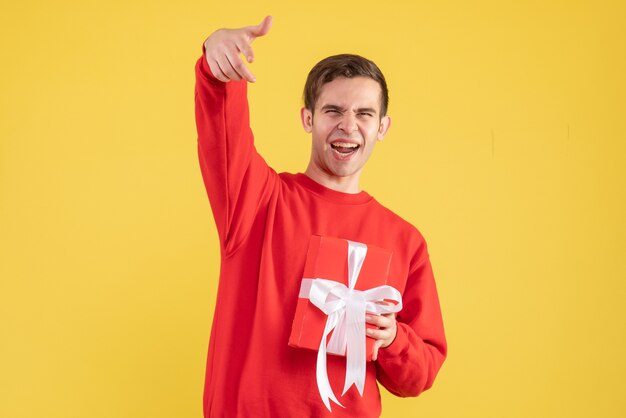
(327, 258)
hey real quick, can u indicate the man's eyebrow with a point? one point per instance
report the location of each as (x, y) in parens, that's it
(366, 110)
(333, 107)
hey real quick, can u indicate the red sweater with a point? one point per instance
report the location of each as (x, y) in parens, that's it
(264, 221)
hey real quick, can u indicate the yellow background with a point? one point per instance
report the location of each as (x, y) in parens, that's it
(507, 150)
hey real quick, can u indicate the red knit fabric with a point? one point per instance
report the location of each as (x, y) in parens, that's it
(264, 221)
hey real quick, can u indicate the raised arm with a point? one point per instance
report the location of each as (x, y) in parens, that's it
(236, 178)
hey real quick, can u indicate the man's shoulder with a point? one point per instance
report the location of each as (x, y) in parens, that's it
(395, 217)
(405, 236)
(398, 224)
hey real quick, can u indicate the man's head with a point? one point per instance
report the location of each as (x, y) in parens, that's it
(345, 110)
(343, 65)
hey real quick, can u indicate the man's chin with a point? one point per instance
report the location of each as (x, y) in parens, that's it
(343, 172)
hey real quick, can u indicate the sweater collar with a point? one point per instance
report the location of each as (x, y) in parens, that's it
(330, 194)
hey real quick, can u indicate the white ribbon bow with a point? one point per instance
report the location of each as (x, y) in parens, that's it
(346, 308)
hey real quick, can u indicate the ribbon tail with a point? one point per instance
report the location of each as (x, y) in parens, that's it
(321, 374)
(337, 342)
(355, 350)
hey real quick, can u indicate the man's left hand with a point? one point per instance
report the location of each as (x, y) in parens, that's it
(386, 332)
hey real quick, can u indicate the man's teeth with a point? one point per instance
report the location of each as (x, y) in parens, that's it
(344, 147)
(344, 144)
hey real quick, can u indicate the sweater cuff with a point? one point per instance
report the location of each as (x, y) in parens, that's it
(399, 345)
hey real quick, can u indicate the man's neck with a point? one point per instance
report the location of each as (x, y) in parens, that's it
(348, 184)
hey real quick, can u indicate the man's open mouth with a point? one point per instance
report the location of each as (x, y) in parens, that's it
(345, 148)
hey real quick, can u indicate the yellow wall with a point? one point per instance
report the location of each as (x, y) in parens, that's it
(507, 150)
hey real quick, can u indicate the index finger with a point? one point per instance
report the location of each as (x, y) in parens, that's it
(381, 321)
(261, 29)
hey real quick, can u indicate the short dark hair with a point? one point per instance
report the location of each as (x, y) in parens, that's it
(343, 65)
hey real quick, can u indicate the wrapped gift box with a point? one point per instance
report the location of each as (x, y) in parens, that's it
(327, 258)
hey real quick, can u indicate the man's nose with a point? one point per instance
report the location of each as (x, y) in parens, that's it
(348, 123)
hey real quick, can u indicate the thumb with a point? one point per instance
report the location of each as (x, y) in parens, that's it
(262, 28)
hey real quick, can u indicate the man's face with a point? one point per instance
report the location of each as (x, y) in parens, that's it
(345, 125)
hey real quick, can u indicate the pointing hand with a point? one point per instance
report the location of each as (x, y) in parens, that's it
(223, 49)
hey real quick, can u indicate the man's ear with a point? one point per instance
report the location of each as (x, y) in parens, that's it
(307, 119)
(385, 124)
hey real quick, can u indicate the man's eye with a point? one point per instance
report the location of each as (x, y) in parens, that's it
(365, 114)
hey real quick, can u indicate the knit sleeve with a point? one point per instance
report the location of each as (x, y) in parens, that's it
(236, 177)
(409, 365)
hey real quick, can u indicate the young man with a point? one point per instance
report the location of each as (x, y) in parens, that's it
(266, 222)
